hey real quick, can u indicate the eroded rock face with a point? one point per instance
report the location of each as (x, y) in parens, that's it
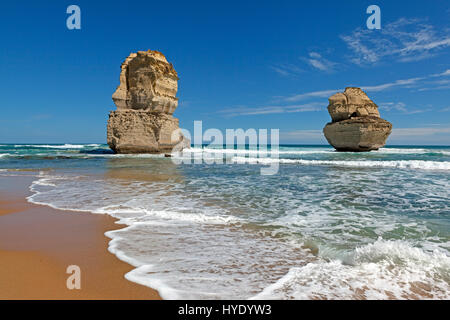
(356, 124)
(145, 101)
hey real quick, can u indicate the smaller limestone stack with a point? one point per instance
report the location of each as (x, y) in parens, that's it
(356, 124)
(145, 101)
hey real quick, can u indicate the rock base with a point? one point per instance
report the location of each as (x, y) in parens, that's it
(133, 131)
(358, 133)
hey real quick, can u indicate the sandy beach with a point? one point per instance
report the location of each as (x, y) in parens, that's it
(38, 243)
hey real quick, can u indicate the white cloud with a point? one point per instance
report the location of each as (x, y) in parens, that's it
(443, 81)
(248, 111)
(398, 83)
(403, 40)
(318, 62)
(287, 70)
(314, 94)
(442, 74)
(426, 46)
(405, 83)
(303, 136)
(423, 135)
(388, 106)
(401, 107)
(315, 55)
(418, 132)
(437, 84)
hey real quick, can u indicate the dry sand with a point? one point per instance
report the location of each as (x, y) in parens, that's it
(38, 243)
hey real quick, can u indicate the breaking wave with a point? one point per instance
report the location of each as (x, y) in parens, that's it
(224, 232)
(63, 146)
(401, 164)
(381, 270)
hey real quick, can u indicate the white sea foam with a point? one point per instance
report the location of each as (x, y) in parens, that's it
(125, 155)
(185, 244)
(83, 155)
(410, 151)
(139, 274)
(43, 182)
(192, 240)
(324, 150)
(64, 146)
(256, 151)
(169, 215)
(134, 201)
(401, 164)
(381, 270)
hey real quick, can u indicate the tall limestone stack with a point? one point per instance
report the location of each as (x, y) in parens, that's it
(145, 101)
(356, 124)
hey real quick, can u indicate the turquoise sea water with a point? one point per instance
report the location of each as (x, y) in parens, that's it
(326, 225)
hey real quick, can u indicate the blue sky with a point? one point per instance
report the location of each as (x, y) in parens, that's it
(242, 64)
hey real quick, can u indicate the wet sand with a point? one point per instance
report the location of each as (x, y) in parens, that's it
(38, 243)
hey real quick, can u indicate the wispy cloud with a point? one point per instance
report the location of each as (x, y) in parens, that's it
(315, 136)
(405, 83)
(444, 81)
(439, 87)
(399, 83)
(442, 74)
(388, 106)
(249, 111)
(313, 94)
(287, 69)
(422, 135)
(417, 82)
(418, 132)
(401, 107)
(316, 61)
(437, 84)
(404, 40)
(399, 135)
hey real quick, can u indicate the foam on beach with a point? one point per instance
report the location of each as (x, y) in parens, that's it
(320, 228)
(197, 241)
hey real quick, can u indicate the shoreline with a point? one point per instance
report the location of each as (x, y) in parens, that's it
(38, 243)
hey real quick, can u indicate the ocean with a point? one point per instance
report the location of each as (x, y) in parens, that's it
(327, 225)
